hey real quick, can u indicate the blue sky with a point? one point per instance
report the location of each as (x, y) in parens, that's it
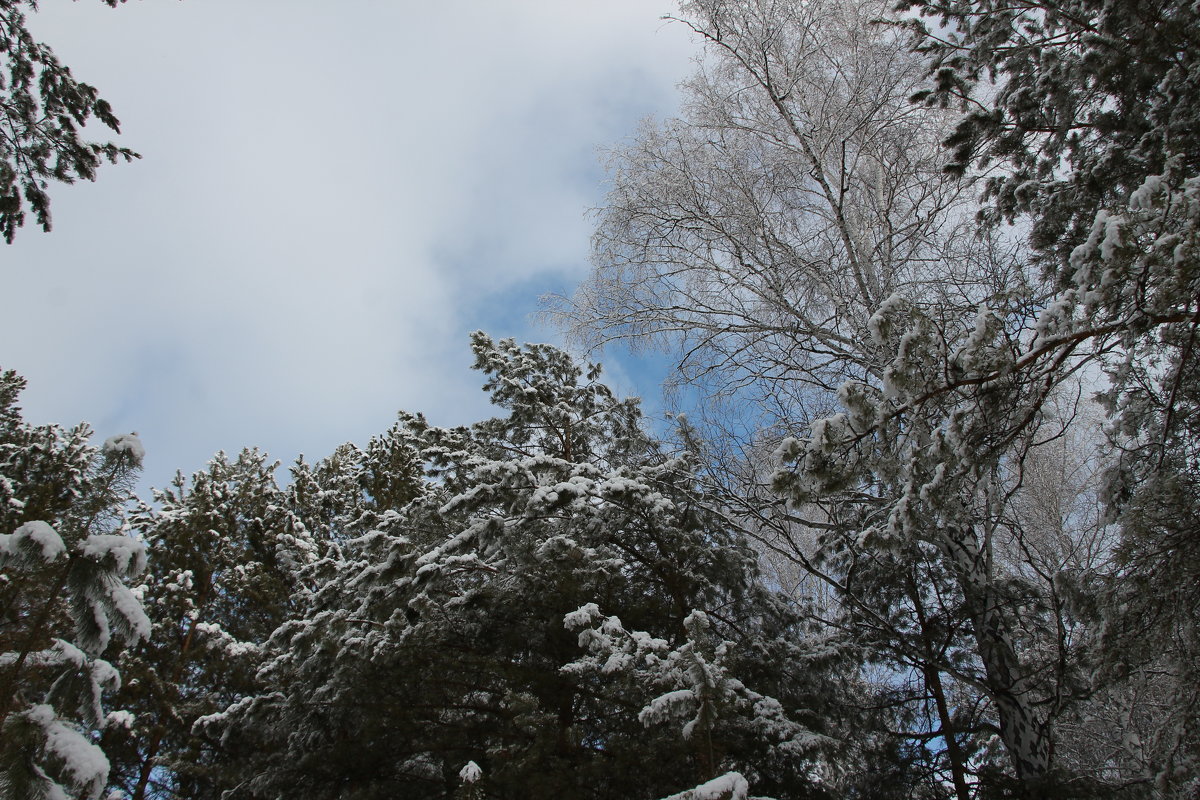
(332, 196)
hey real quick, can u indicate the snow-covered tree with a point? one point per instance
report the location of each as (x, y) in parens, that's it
(226, 553)
(690, 686)
(1080, 117)
(64, 600)
(440, 642)
(354, 486)
(795, 241)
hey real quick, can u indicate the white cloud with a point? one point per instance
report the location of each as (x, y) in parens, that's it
(331, 193)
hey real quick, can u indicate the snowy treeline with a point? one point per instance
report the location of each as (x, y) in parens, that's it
(927, 529)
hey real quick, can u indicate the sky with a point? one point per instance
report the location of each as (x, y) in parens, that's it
(331, 196)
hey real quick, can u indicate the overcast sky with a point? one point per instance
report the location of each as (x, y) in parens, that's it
(331, 195)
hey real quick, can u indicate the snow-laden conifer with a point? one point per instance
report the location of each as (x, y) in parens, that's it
(438, 636)
(66, 562)
(1082, 129)
(226, 559)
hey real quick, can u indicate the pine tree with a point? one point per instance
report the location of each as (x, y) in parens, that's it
(44, 107)
(225, 558)
(64, 601)
(441, 640)
(1080, 120)
(353, 486)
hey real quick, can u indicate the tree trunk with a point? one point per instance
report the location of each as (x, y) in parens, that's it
(1008, 686)
(933, 685)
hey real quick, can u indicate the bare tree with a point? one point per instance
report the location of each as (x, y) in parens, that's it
(794, 243)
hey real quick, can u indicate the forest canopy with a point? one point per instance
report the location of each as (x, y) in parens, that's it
(923, 525)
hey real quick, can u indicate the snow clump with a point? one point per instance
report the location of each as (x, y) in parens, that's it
(125, 444)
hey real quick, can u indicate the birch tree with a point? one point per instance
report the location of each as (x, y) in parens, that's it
(794, 242)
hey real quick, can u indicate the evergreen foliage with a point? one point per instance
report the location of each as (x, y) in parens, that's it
(439, 639)
(1084, 116)
(42, 111)
(900, 552)
(64, 600)
(226, 553)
